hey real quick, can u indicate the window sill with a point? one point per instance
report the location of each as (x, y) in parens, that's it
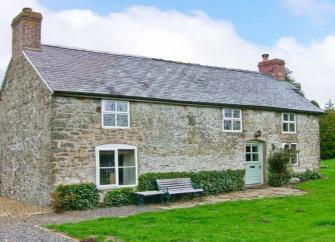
(289, 132)
(108, 187)
(107, 127)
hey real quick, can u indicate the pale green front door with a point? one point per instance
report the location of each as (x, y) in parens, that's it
(253, 163)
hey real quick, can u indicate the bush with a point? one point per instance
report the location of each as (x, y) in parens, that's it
(308, 175)
(279, 174)
(75, 197)
(119, 197)
(213, 182)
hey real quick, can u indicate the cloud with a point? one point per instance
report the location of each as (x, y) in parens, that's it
(313, 8)
(193, 37)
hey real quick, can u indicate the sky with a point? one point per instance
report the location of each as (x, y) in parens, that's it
(214, 32)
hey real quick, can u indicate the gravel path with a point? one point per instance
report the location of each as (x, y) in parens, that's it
(27, 229)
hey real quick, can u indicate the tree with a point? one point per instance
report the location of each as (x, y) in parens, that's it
(330, 106)
(290, 79)
(327, 132)
(315, 103)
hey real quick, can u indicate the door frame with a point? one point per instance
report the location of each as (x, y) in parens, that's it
(261, 154)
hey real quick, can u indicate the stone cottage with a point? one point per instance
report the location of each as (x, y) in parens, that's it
(71, 115)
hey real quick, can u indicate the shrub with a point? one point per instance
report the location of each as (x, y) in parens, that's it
(279, 174)
(213, 182)
(119, 197)
(327, 135)
(75, 197)
(308, 175)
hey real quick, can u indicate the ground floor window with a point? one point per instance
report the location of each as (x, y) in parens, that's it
(293, 147)
(116, 165)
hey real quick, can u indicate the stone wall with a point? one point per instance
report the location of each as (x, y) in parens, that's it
(25, 168)
(169, 137)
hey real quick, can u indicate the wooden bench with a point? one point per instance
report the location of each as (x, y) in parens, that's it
(177, 186)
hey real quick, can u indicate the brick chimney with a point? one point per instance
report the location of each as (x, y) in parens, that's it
(26, 29)
(274, 67)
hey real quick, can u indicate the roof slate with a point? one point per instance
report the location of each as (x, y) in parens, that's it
(82, 71)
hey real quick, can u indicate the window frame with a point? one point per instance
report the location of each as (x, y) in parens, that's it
(289, 122)
(297, 154)
(115, 148)
(103, 112)
(232, 119)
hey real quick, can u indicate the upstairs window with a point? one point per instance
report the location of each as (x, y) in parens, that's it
(293, 147)
(232, 120)
(289, 122)
(115, 114)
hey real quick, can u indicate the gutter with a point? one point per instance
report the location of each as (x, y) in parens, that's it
(178, 102)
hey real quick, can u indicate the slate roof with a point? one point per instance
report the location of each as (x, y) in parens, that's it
(81, 71)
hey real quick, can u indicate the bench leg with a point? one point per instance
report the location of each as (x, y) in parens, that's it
(140, 200)
(166, 197)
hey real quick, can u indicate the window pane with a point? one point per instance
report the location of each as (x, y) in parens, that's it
(255, 148)
(292, 117)
(292, 127)
(236, 113)
(285, 127)
(228, 113)
(286, 147)
(122, 106)
(236, 125)
(122, 120)
(110, 106)
(248, 157)
(107, 176)
(285, 116)
(294, 160)
(109, 119)
(247, 148)
(255, 157)
(293, 146)
(127, 176)
(126, 157)
(227, 125)
(107, 159)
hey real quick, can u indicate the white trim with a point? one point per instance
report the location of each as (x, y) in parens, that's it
(289, 122)
(38, 73)
(115, 113)
(232, 119)
(297, 154)
(114, 147)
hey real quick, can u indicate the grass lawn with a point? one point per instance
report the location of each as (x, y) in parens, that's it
(310, 217)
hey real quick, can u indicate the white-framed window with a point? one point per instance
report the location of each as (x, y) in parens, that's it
(116, 166)
(294, 147)
(289, 122)
(232, 120)
(115, 114)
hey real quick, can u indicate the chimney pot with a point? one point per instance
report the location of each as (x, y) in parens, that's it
(26, 29)
(265, 57)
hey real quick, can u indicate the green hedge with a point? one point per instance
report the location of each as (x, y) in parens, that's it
(213, 182)
(75, 197)
(119, 197)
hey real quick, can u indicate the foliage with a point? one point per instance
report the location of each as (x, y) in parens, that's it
(75, 197)
(315, 103)
(327, 135)
(308, 175)
(213, 182)
(290, 79)
(119, 197)
(330, 106)
(309, 217)
(279, 173)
